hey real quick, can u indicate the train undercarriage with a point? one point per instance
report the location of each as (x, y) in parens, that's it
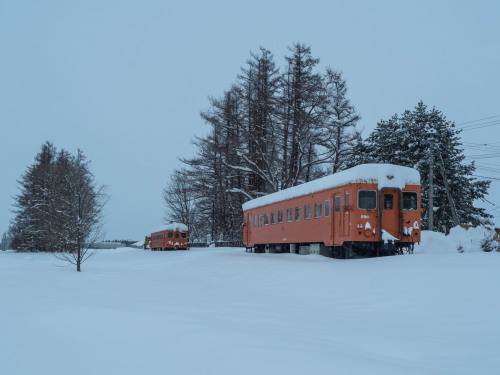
(349, 250)
(168, 249)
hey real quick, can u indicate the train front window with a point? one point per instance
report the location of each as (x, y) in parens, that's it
(410, 200)
(170, 235)
(183, 235)
(367, 199)
(388, 201)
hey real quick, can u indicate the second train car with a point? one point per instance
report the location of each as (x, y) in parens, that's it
(174, 236)
(368, 210)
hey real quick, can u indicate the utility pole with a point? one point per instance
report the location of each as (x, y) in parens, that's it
(431, 186)
(450, 199)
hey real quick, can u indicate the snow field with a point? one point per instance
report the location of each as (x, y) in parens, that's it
(224, 311)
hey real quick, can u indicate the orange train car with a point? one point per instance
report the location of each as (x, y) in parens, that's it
(174, 236)
(368, 210)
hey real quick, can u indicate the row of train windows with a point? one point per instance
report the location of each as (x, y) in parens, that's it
(367, 199)
(259, 220)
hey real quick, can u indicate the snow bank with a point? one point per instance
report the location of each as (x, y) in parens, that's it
(171, 226)
(385, 175)
(436, 242)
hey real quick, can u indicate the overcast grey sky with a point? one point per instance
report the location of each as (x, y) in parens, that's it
(125, 80)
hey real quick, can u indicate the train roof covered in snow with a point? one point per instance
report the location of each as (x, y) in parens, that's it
(172, 226)
(385, 175)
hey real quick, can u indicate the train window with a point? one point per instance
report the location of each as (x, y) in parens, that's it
(280, 216)
(317, 210)
(289, 216)
(183, 235)
(260, 220)
(273, 217)
(327, 207)
(255, 221)
(337, 204)
(298, 212)
(170, 235)
(307, 211)
(266, 219)
(248, 219)
(410, 200)
(388, 201)
(346, 199)
(177, 235)
(367, 199)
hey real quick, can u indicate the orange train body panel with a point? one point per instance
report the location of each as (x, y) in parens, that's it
(338, 215)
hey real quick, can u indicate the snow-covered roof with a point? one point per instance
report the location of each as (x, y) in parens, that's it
(385, 175)
(171, 226)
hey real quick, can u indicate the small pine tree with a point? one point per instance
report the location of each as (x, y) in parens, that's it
(488, 243)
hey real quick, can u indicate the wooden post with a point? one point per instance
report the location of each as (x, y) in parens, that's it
(431, 187)
(450, 198)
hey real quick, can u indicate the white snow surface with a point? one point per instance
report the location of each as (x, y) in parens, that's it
(224, 311)
(171, 226)
(470, 239)
(385, 175)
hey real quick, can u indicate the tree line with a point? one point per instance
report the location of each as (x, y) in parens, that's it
(276, 128)
(272, 129)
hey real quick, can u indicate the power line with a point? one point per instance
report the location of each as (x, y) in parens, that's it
(481, 119)
(480, 126)
(482, 144)
(490, 170)
(485, 163)
(488, 178)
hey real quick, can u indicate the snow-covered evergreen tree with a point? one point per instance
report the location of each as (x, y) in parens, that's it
(59, 206)
(405, 140)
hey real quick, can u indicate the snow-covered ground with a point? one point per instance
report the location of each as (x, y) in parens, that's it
(224, 311)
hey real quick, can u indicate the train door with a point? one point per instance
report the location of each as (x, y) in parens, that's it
(246, 229)
(346, 214)
(391, 210)
(338, 221)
